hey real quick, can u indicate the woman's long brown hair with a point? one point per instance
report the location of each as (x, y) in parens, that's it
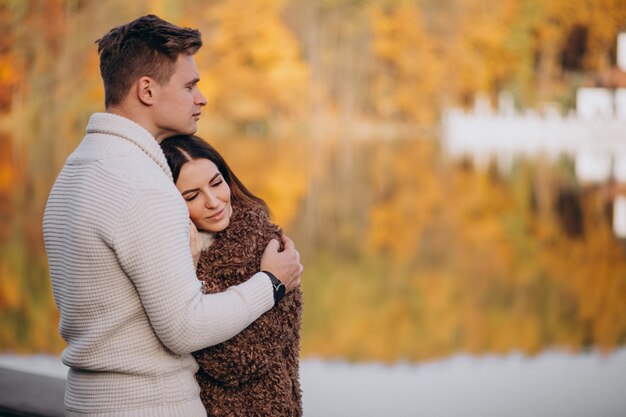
(181, 149)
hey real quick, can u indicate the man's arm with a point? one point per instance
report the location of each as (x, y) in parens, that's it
(151, 241)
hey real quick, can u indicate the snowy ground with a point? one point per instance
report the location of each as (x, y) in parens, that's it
(552, 384)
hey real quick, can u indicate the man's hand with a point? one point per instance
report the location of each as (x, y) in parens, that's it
(284, 265)
(195, 243)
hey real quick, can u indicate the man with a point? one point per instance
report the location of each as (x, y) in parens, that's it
(117, 236)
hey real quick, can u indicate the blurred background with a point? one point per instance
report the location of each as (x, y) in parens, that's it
(452, 171)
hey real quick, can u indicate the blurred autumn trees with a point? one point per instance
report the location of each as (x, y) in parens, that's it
(335, 106)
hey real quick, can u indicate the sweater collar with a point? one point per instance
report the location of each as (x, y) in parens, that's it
(206, 238)
(112, 124)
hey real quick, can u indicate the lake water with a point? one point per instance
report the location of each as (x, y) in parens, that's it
(551, 384)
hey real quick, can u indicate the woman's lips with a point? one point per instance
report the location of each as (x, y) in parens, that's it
(217, 216)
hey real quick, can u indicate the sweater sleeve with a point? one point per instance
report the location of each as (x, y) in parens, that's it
(151, 241)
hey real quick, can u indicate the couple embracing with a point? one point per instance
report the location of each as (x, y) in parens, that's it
(177, 295)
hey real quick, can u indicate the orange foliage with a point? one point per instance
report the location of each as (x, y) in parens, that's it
(409, 255)
(407, 78)
(252, 62)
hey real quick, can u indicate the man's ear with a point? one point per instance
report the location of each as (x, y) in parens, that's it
(145, 90)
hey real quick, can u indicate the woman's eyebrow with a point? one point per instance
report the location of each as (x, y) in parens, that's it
(189, 191)
(217, 174)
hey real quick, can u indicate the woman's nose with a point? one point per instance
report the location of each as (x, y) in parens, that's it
(211, 200)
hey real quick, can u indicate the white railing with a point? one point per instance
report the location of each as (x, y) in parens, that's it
(597, 145)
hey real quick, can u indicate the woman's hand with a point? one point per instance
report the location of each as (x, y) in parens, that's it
(195, 243)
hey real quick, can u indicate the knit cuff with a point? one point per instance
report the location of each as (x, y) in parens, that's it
(258, 293)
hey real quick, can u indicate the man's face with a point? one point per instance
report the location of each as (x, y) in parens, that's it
(178, 102)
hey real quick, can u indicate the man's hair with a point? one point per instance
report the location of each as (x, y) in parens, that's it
(148, 46)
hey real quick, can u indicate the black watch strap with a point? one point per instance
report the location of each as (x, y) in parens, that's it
(277, 286)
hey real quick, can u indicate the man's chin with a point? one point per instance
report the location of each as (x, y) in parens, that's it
(190, 129)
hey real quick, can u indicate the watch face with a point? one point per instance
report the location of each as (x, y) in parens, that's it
(278, 286)
(280, 290)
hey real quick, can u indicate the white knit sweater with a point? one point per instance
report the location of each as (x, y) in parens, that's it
(117, 237)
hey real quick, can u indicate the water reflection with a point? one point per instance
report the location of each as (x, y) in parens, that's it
(408, 254)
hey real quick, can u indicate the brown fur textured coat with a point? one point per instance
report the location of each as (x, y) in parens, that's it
(256, 373)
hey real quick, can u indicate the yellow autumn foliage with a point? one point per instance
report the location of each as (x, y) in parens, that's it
(408, 254)
(253, 61)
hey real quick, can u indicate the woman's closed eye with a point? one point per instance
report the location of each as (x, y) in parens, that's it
(215, 182)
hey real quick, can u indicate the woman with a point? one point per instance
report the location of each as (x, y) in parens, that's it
(256, 372)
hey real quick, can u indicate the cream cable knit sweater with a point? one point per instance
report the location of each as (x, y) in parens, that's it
(117, 237)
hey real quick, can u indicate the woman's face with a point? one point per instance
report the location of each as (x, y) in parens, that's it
(206, 193)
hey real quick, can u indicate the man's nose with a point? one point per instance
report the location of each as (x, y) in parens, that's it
(200, 99)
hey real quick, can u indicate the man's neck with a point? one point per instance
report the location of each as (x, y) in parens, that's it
(137, 117)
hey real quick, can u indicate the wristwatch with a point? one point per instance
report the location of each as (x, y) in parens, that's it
(277, 286)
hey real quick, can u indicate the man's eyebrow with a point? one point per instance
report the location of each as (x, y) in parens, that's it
(194, 81)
